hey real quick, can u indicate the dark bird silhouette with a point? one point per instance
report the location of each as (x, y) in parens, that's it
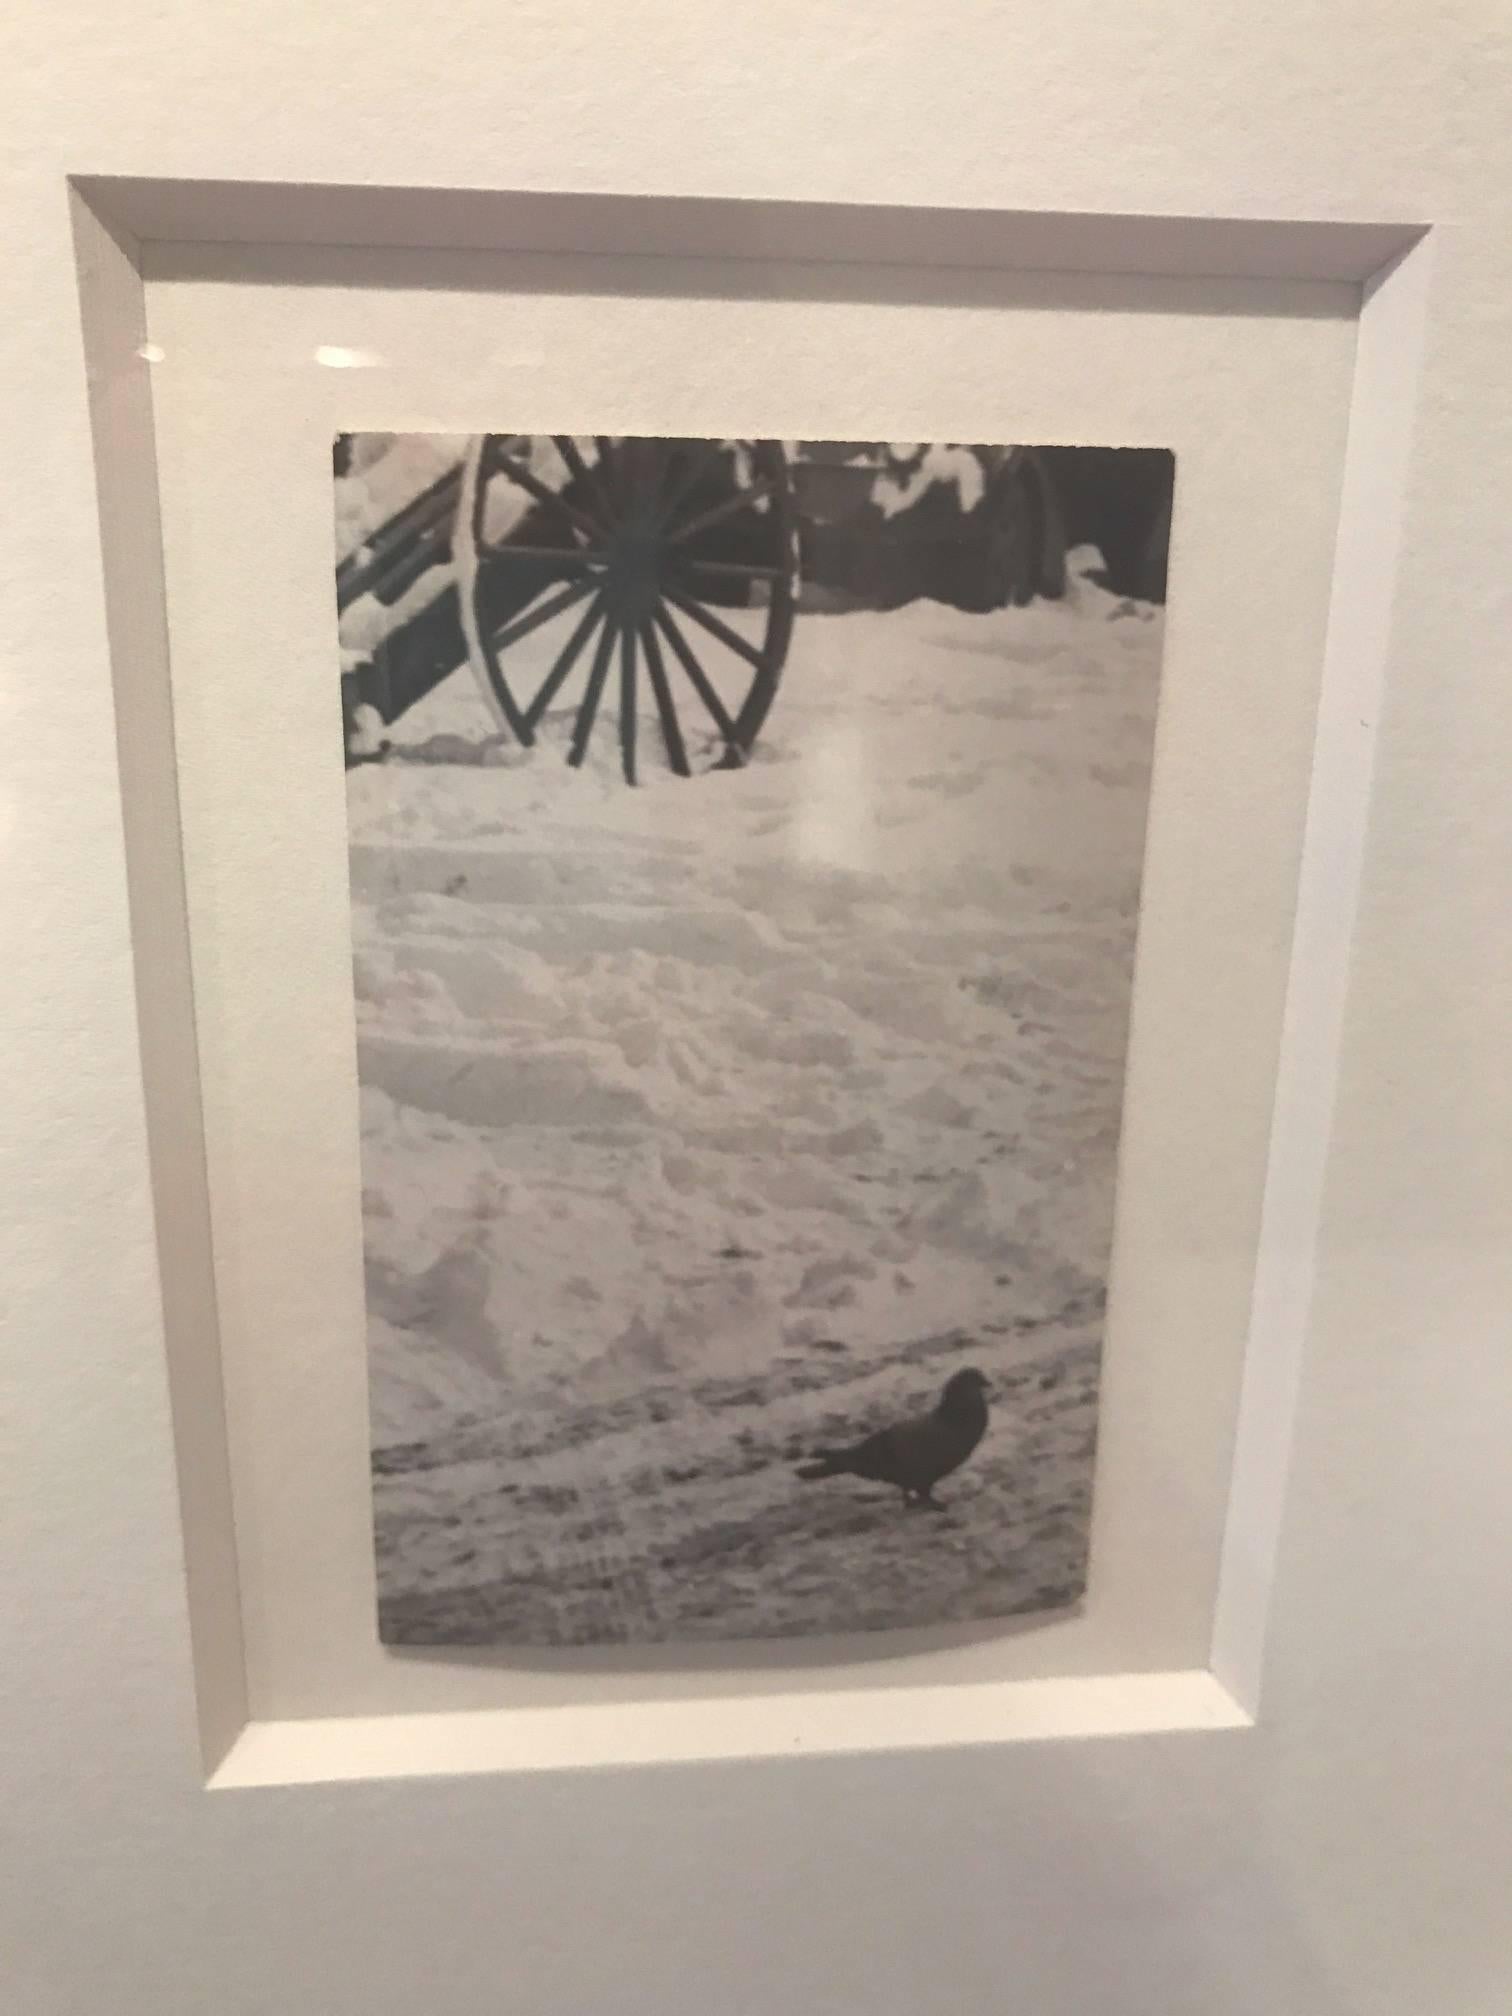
(915, 1454)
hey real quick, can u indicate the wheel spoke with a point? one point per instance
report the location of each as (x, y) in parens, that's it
(743, 570)
(568, 656)
(701, 456)
(718, 513)
(731, 639)
(656, 468)
(529, 482)
(583, 727)
(677, 754)
(559, 556)
(542, 613)
(649, 452)
(608, 463)
(674, 636)
(627, 701)
(638, 469)
(585, 478)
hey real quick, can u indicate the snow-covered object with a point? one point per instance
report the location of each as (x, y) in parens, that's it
(900, 488)
(386, 472)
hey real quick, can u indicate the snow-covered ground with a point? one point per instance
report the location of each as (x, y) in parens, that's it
(712, 1119)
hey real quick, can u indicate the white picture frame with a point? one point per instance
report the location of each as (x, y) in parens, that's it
(1310, 1817)
(279, 1465)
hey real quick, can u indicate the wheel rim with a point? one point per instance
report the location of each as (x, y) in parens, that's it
(675, 558)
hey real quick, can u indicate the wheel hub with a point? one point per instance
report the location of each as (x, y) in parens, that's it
(634, 560)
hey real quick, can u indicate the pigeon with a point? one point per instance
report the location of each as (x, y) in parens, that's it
(915, 1454)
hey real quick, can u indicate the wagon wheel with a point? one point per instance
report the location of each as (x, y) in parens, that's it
(644, 542)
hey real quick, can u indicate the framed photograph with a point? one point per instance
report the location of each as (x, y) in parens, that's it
(745, 845)
(575, 992)
(461, 1191)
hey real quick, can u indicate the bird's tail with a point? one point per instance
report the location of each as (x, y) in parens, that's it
(826, 1463)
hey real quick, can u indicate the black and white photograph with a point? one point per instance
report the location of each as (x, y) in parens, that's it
(745, 844)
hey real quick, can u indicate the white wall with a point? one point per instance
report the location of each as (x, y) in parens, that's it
(1352, 1856)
